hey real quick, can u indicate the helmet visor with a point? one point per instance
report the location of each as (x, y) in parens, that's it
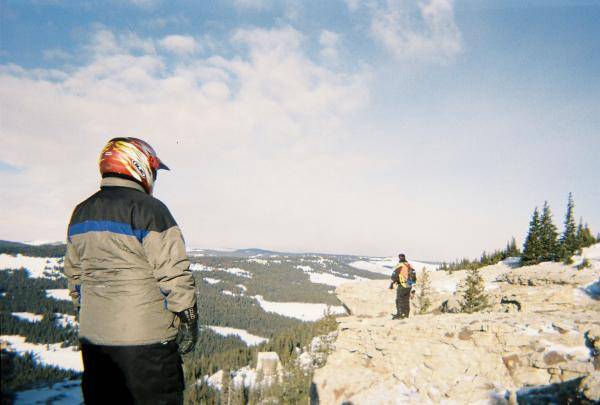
(163, 166)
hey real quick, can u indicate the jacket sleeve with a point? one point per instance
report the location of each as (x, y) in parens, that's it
(73, 273)
(165, 251)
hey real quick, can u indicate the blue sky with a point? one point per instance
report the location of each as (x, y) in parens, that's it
(366, 127)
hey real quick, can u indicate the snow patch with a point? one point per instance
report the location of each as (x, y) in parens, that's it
(327, 278)
(386, 265)
(63, 393)
(238, 272)
(28, 316)
(47, 354)
(59, 294)
(259, 261)
(248, 338)
(581, 353)
(200, 267)
(211, 280)
(65, 320)
(299, 310)
(37, 267)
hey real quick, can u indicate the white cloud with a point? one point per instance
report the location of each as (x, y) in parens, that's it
(329, 42)
(56, 54)
(353, 5)
(179, 44)
(423, 30)
(257, 128)
(105, 42)
(251, 4)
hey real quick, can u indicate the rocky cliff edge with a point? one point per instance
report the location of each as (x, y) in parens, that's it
(538, 342)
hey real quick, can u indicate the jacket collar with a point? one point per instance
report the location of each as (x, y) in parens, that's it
(119, 182)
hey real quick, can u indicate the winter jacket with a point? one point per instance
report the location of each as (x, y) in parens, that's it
(401, 274)
(127, 267)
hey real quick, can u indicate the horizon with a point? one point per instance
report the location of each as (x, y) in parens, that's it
(356, 127)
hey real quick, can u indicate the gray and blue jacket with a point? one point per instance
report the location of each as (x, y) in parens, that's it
(127, 267)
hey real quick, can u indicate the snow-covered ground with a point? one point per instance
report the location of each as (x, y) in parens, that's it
(62, 320)
(211, 280)
(59, 294)
(386, 265)
(299, 310)
(63, 393)
(47, 354)
(37, 267)
(28, 316)
(238, 272)
(65, 320)
(200, 267)
(40, 242)
(259, 261)
(326, 278)
(249, 338)
(245, 376)
(232, 270)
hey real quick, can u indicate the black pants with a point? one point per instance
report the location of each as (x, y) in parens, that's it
(403, 301)
(147, 374)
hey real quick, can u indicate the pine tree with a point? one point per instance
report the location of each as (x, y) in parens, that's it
(579, 236)
(423, 297)
(568, 240)
(475, 298)
(511, 248)
(588, 238)
(548, 235)
(532, 246)
(226, 388)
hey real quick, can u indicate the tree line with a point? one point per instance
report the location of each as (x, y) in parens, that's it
(47, 250)
(543, 242)
(21, 372)
(295, 385)
(486, 259)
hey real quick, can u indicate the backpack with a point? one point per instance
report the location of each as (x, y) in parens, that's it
(412, 276)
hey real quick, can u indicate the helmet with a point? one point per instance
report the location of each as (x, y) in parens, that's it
(402, 257)
(133, 159)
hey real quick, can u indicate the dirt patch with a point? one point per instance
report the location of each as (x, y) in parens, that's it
(465, 334)
(553, 358)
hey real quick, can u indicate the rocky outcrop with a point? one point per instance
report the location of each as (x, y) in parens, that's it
(539, 339)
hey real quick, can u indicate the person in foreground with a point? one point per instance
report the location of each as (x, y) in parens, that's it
(128, 274)
(404, 276)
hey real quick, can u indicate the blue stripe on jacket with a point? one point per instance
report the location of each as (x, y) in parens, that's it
(106, 226)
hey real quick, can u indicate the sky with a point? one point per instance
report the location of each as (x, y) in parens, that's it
(374, 127)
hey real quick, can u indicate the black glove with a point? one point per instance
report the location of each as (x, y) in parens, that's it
(187, 335)
(392, 286)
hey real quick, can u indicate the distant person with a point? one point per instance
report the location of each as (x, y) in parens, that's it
(404, 276)
(128, 275)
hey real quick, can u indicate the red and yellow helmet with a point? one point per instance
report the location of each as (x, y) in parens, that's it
(131, 158)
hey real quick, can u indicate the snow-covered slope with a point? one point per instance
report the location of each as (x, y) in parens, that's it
(247, 337)
(59, 294)
(48, 354)
(37, 267)
(386, 265)
(299, 310)
(28, 316)
(63, 393)
(326, 278)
